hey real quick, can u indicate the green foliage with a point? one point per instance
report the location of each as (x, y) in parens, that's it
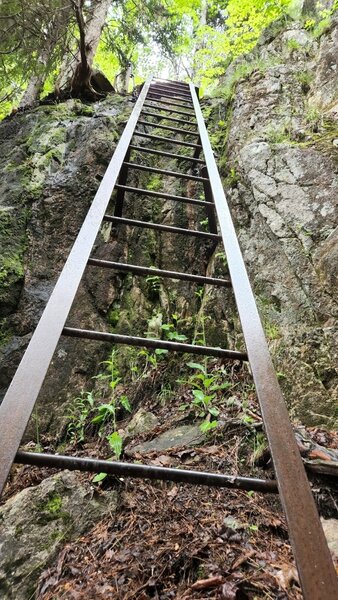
(171, 333)
(305, 78)
(204, 386)
(54, 503)
(155, 182)
(78, 415)
(272, 330)
(237, 33)
(293, 44)
(154, 283)
(108, 411)
(319, 23)
(277, 134)
(115, 442)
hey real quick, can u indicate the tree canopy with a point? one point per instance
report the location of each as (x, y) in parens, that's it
(56, 45)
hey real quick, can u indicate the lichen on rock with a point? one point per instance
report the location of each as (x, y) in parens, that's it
(37, 521)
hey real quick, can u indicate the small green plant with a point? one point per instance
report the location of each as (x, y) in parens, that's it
(154, 182)
(154, 283)
(222, 257)
(171, 334)
(259, 447)
(232, 179)
(293, 44)
(204, 223)
(115, 442)
(204, 387)
(272, 331)
(305, 78)
(277, 134)
(313, 116)
(108, 411)
(78, 415)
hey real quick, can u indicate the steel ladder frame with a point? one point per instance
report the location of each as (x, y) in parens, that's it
(314, 563)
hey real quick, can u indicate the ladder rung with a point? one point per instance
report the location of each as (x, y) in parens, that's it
(175, 129)
(130, 340)
(138, 270)
(174, 88)
(168, 102)
(165, 139)
(166, 92)
(124, 469)
(164, 172)
(160, 227)
(170, 110)
(184, 89)
(172, 81)
(159, 116)
(169, 95)
(169, 154)
(134, 190)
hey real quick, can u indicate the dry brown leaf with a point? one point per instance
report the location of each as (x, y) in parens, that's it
(229, 591)
(286, 576)
(162, 460)
(204, 584)
(242, 559)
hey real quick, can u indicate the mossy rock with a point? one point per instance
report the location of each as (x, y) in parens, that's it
(36, 521)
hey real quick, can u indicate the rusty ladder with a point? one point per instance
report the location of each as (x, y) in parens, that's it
(157, 98)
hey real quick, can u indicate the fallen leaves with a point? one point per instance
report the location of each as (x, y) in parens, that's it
(211, 582)
(286, 576)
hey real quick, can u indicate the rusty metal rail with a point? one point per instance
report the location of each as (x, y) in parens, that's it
(316, 571)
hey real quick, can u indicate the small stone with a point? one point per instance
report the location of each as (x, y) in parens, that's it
(330, 527)
(185, 435)
(141, 422)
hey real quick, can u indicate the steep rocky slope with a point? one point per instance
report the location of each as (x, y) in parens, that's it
(278, 146)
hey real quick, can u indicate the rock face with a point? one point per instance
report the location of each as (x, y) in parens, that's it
(282, 185)
(37, 521)
(52, 160)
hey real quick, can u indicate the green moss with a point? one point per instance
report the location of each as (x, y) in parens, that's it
(11, 270)
(5, 334)
(54, 504)
(114, 316)
(85, 110)
(12, 248)
(155, 182)
(52, 510)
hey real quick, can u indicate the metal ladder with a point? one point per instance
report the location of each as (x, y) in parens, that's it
(158, 99)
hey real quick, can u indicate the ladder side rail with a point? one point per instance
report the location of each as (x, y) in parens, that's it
(317, 575)
(21, 396)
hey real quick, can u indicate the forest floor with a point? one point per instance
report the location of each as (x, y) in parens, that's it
(176, 541)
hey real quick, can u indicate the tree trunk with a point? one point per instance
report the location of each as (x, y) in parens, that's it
(36, 82)
(75, 71)
(201, 42)
(127, 78)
